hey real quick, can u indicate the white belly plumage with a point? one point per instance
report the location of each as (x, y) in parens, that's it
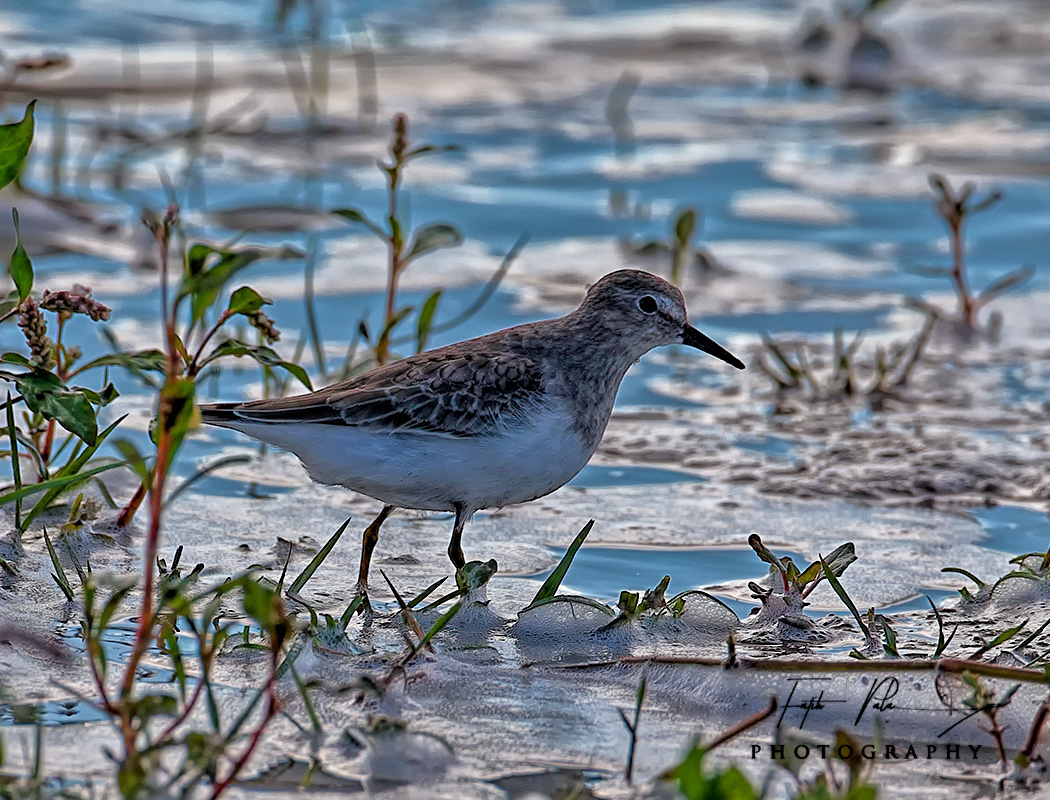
(435, 472)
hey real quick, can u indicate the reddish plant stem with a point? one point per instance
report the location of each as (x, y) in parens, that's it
(272, 707)
(127, 514)
(1036, 729)
(967, 306)
(383, 345)
(191, 369)
(996, 730)
(187, 709)
(156, 493)
(49, 439)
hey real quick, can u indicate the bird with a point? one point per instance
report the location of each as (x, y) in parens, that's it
(500, 419)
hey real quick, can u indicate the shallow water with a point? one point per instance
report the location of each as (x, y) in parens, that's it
(815, 201)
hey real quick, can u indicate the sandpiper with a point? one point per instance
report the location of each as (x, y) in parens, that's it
(499, 419)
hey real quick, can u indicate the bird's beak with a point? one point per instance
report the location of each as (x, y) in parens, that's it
(693, 338)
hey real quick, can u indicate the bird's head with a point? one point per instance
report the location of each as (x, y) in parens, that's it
(646, 311)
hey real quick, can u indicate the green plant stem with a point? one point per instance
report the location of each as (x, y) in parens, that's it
(192, 368)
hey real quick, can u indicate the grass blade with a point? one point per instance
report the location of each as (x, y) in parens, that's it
(308, 704)
(437, 627)
(69, 475)
(423, 595)
(410, 620)
(350, 609)
(553, 582)
(315, 562)
(942, 642)
(845, 598)
(204, 472)
(55, 486)
(16, 468)
(59, 574)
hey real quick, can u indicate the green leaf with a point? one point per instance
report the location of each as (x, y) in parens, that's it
(685, 227)
(264, 606)
(151, 705)
(59, 574)
(970, 575)
(839, 559)
(101, 399)
(353, 215)
(133, 458)
(433, 237)
(396, 319)
(890, 638)
(55, 484)
(695, 783)
(16, 467)
(247, 301)
(316, 561)
(438, 626)
(21, 267)
(990, 200)
(203, 284)
(1005, 283)
(262, 354)
(1009, 633)
(396, 237)
(431, 149)
(767, 555)
(550, 586)
(941, 187)
(15, 140)
(423, 595)
(845, 598)
(45, 394)
(131, 778)
(259, 603)
(426, 320)
(15, 358)
(137, 361)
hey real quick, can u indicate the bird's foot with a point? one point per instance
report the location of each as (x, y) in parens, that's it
(364, 607)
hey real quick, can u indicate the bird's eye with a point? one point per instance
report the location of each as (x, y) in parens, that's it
(647, 304)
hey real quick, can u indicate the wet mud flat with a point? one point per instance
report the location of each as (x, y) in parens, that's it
(813, 203)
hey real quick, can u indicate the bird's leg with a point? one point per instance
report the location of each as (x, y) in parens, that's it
(455, 549)
(368, 544)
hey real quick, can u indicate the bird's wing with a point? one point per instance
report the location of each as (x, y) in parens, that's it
(449, 393)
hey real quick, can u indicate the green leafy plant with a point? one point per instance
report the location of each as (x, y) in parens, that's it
(15, 141)
(792, 585)
(988, 703)
(694, 781)
(189, 347)
(680, 247)
(830, 783)
(153, 722)
(42, 377)
(403, 244)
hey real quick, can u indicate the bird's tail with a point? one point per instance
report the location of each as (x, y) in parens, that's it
(219, 413)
